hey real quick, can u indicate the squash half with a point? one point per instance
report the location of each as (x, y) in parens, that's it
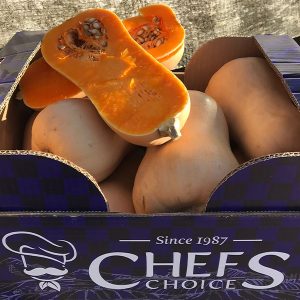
(136, 96)
(41, 85)
(158, 31)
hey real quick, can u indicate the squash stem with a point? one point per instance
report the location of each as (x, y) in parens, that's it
(170, 128)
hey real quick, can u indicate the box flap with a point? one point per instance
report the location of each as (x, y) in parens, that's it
(24, 41)
(281, 51)
(211, 56)
(32, 181)
(270, 183)
(18, 53)
(4, 89)
(283, 55)
(11, 66)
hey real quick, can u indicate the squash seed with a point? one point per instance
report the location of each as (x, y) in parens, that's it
(159, 42)
(96, 25)
(140, 32)
(94, 31)
(91, 20)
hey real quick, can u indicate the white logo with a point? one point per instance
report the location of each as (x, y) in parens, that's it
(35, 249)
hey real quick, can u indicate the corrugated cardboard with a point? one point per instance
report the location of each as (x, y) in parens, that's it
(57, 241)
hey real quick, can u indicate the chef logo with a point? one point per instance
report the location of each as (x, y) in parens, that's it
(43, 260)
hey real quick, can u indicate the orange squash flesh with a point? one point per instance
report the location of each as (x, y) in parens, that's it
(171, 61)
(41, 85)
(157, 30)
(135, 95)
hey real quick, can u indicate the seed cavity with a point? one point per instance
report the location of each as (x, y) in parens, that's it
(104, 43)
(73, 38)
(87, 41)
(150, 35)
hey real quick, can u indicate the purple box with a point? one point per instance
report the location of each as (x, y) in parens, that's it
(58, 241)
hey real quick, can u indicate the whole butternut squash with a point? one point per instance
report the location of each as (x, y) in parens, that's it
(136, 96)
(261, 117)
(73, 130)
(181, 174)
(117, 188)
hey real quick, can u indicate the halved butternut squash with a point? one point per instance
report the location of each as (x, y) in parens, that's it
(41, 85)
(158, 31)
(135, 95)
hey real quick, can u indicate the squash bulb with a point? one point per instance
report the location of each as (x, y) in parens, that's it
(73, 130)
(180, 175)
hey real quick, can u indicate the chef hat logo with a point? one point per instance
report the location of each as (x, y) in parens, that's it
(35, 248)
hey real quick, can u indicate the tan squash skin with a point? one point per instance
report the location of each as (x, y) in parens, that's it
(261, 117)
(73, 130)
(180, 175)
(117, 188)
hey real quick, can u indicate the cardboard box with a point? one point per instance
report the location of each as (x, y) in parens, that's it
(58, 241)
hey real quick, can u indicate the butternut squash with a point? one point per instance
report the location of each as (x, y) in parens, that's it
(157, 30)
(261, 117)
(41, 85)
(117, 188)
(135, 95)
(180, 175)
(73, 130)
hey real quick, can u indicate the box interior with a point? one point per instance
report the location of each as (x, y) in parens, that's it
(15, 114)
